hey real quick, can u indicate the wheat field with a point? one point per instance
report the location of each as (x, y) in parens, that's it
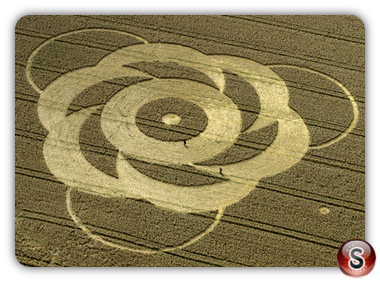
(188, 140)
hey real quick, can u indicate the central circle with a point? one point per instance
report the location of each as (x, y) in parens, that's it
(171, 119)
(324, 210)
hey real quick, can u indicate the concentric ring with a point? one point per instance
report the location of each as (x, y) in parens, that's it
(171, 119)
(119, 116)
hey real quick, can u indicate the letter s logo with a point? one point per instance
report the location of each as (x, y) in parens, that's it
(356, 261)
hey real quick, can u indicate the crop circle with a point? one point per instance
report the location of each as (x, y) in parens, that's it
(177, 109)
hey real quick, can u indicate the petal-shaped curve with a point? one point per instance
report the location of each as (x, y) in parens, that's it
(270, 87)
(66, 162)
(168, 53)
(57, 97)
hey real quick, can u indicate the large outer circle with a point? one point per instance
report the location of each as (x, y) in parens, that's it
(147, 250)
(351, 98)
(119, 116)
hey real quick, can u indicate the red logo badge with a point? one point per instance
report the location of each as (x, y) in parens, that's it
(356, 258)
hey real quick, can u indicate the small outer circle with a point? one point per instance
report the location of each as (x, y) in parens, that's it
(324, 210)
(148, 250)
(349, 96)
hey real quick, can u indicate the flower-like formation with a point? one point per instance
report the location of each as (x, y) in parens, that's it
(118, 124)
(220, 124)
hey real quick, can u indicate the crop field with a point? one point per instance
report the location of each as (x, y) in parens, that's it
(188, 140)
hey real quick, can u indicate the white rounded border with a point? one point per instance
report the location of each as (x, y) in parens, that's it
(266, 120)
